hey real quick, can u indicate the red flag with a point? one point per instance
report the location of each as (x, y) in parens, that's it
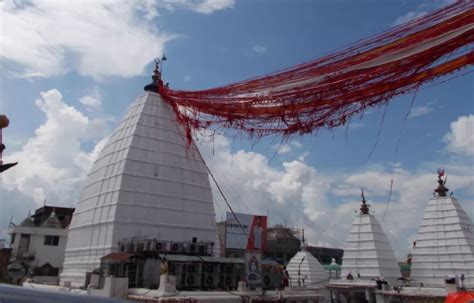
(440, 172)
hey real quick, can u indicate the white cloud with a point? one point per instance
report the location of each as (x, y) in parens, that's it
(460, 139)
(287, 148)
(419, 111)
(355, 125)
(210, 6)
(52, 164)
(409, 16)
(92, 101)
(283, 149)
(52, 37)
(259, 49)
(298, 194)
(94, 38)
(423, 9)
(252, 185)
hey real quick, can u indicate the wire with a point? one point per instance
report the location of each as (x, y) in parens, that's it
(226, 201)
(395, 153)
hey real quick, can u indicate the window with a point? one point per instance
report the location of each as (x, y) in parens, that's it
(51, 240)
(13, 239)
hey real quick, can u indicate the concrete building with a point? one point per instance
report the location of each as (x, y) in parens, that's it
(283, 243)
(444, 244)
(148, 182)
(39, 242)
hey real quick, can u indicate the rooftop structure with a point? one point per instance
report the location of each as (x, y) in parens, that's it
(38, 244)
(444, 243)
(306, 271)
(367, 252)
(148, 182)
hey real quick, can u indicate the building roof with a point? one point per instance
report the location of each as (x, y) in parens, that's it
(27, 222)
(117, 257)
(64, 215)
(52, 221)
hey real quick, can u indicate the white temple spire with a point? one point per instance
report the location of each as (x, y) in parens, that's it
(367, 252)
(148, 182)
(444, 243)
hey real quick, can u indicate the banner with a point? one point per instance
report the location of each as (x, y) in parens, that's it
(253, 269)
(250, 234)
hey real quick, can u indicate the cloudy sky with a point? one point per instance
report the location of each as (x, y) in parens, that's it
(69, 70)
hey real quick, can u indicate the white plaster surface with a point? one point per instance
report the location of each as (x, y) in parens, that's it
(368, 252)
(444, 244)
(43, 254)
(146, 183)
(310, 270)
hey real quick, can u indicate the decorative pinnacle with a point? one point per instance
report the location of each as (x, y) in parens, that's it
(157, 84)
(364, 208)
(442, 189)
(156, 72)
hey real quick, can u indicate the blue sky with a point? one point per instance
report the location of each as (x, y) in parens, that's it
(87, 63)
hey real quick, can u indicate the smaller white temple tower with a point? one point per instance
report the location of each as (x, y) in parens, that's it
(305, 270)
(444, 244)
(367, 252)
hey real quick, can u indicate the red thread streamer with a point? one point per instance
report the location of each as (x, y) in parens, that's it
(327, 92)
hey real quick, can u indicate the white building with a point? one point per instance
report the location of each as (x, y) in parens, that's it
(146, 183)
(367, 252)
(444, 243)
(39, 242)
(306, 271)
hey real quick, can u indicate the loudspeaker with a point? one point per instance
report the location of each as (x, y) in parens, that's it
(159, 246)
(191, 275)
(122, 247)
(143, 245)
(192, 281)
(210, 281)
(176, 247)
(202, 250)
(192, 248)
(226, 282)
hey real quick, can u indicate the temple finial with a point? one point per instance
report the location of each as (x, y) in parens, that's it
(364, 208)
(441, 190)
(156, 83)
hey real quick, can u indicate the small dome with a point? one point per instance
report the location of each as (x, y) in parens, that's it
(52, 221)
(306, 269)
(28, 222)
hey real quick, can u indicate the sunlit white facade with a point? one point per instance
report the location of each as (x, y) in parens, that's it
(367, 251)
(444, 245)
(146, 183)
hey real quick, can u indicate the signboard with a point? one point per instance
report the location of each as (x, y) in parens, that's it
(250, 234)
(253, 269)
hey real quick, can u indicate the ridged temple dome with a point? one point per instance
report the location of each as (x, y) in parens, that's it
(367, 252)
(444, 244)
(303, 266)
(146, 183)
